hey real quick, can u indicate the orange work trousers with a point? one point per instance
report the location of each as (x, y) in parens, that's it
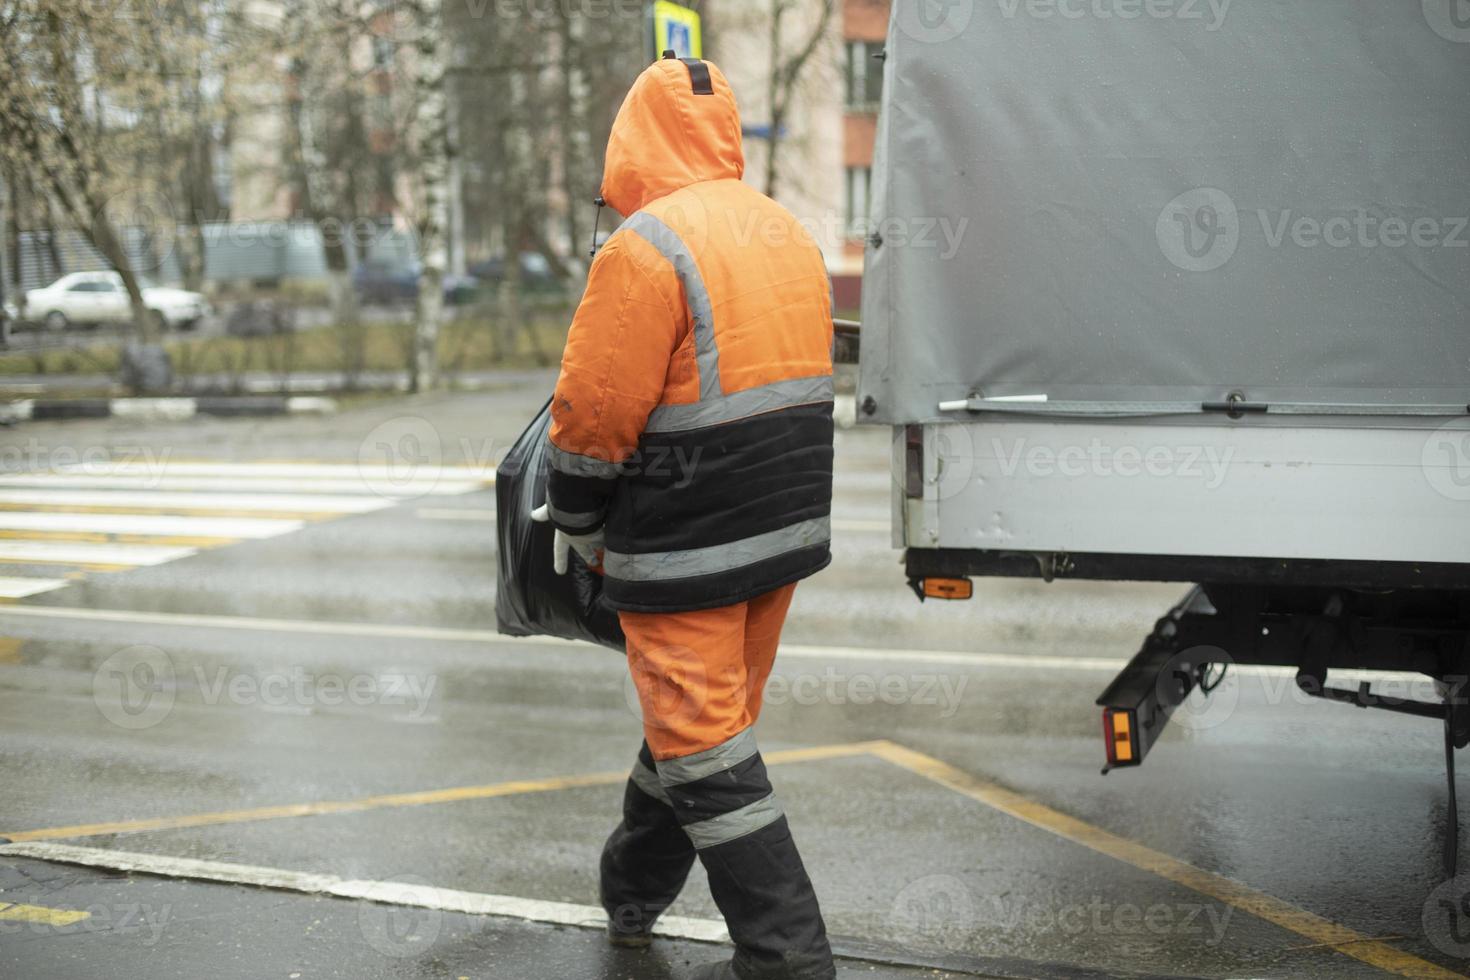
(700, 675)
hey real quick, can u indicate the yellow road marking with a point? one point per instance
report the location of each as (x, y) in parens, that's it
(10, 649)
(41, 915)
(422, 798)
(1233, 893)
(104, 537)
(301, 515)
(90, 566)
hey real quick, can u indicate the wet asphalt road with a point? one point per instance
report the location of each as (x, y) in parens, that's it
(939, 761)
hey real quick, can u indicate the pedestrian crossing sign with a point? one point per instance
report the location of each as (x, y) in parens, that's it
(676, 28)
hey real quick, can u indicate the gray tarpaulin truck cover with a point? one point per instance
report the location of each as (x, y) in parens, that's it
(1121, 201)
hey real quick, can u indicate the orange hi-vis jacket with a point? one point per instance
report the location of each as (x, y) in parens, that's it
(693, 414)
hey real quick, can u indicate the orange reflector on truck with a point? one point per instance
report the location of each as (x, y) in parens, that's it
(948, 588)
(1118, 735)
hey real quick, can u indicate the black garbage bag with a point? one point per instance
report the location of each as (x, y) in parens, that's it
(530, 598)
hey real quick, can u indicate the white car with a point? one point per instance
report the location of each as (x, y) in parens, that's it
(99, 297)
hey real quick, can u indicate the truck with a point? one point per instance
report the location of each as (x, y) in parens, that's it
(1180, 292)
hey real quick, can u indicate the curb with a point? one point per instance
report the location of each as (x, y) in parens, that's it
(163, 409)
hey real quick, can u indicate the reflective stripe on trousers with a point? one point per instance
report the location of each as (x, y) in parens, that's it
(731, 773)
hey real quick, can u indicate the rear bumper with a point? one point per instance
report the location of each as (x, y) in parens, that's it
(1365, 575)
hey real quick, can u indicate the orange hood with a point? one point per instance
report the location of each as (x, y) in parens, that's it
(666, 137)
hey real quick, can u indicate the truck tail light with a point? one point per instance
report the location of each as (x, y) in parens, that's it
(1118, 734)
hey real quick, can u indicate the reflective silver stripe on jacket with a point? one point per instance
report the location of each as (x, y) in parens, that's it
(741, 404)
(672, 247)
(728, 754)
(737, 823)
(574, 465)
(663, 565)
(572, 519)
(647, 780)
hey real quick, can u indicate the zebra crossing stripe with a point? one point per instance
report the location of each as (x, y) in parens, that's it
(142, 500)
(90, 553)
(148, 524)
(387, 488)
(20, 588)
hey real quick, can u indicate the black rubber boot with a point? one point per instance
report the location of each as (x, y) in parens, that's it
(645, 861)
(724, 801)
(766, 897)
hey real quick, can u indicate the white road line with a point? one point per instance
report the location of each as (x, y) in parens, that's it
(266, 502)
(149, 524)
(83, 553)
(422, 484)
(19, 588)
(382, 892)
(305, 471)
(789, 651)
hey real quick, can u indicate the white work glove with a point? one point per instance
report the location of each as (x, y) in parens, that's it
(589, 546)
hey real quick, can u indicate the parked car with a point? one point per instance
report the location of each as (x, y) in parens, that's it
(99, 297)
(387, 283)
(537, 274)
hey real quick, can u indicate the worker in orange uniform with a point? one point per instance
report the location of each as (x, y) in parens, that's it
(691, 455)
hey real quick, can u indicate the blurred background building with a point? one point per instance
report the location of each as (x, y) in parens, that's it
(299, 141)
